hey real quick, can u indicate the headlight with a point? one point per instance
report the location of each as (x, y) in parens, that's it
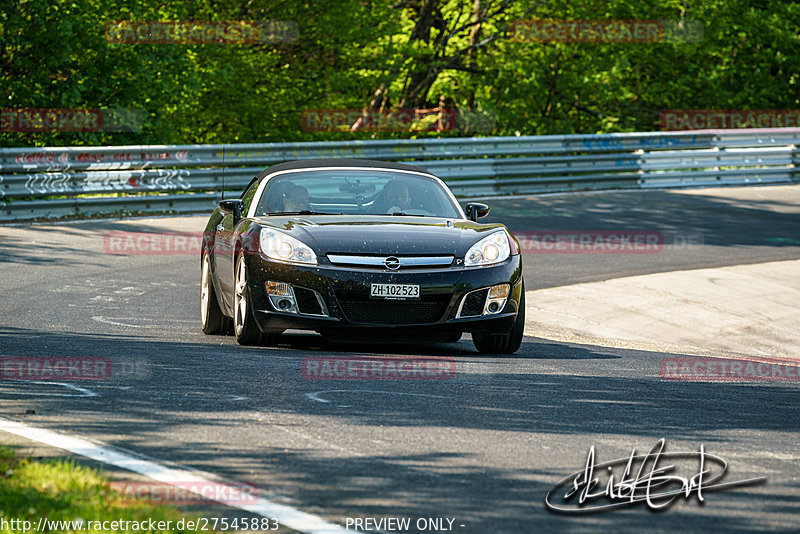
(489, 250)
(281, 247)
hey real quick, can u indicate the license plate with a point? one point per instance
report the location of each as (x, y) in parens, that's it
(394, 291)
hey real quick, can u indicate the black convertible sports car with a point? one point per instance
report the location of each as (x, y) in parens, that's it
(361, 251)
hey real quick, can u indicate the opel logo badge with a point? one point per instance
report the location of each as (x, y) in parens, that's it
(392, 263)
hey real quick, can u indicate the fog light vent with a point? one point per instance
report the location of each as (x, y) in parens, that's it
(474, 304)
(496, 300)
(281, 296)
(278, 289)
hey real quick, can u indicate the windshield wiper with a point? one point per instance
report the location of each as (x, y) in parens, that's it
(303, 212)
(404, 214)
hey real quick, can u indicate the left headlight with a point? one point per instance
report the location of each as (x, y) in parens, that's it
(281, 247)
(492, 249)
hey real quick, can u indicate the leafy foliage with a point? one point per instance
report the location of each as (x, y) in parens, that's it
(384, 54)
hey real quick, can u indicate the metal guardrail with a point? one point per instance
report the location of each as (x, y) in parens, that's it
(54, 182)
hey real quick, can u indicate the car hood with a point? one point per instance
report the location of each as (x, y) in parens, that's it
(381, 234)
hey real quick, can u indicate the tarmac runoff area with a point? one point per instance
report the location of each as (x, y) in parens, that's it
(744, 310)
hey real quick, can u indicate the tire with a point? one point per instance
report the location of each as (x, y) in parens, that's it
(211, 319)
(244, 325)
(503, 343)
(453, 338)
(271, 339)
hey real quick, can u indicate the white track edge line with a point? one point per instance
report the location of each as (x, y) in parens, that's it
(285, 515)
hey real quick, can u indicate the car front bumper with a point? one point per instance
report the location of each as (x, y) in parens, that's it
(352, 313)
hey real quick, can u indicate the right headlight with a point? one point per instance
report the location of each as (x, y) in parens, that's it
(492, 249)
(281, 247)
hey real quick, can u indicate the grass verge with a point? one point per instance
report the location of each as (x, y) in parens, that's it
(61, 490)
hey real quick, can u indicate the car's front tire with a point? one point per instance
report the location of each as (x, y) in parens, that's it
(453, 338)
(211, 318)
(503, 343)
(270, 339)
(244, 325)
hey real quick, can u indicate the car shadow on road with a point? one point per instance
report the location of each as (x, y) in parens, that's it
(416, 448)
(531, 348)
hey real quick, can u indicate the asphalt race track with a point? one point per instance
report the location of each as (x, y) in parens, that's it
(482, 445)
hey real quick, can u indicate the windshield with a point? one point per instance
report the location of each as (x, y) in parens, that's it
(357, 192)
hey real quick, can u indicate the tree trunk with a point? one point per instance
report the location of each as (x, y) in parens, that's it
(478, 12)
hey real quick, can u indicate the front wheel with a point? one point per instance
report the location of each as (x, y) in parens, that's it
(453, 338)
(211, 318)
(503, 343)
(244, 325)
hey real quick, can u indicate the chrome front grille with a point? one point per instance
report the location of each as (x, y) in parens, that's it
(392, 262)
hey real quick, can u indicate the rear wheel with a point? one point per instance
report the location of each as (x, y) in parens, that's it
(244, 325)
(503, 343)
(211, 318)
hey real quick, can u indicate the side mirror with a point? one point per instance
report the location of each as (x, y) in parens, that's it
(232, 207)
(476, 210)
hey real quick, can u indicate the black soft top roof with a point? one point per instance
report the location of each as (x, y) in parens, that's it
(316, 163)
